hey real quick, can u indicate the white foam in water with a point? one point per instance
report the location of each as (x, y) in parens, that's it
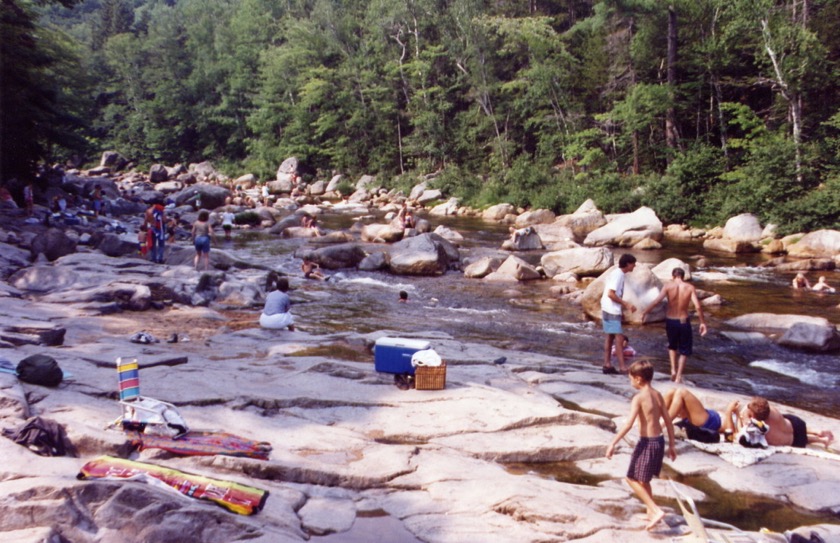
(747, 273)
(802, 372)
(376, 283)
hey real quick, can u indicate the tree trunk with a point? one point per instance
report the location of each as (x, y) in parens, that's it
(671, 134)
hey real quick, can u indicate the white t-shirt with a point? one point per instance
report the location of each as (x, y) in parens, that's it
(615, 281)
(228, 218)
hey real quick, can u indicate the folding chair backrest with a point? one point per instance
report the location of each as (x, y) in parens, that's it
(129, 375)
(691, 516)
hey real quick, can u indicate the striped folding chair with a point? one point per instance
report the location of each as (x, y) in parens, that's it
(144, 414)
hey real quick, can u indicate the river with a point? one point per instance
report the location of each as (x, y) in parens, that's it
(526, 316)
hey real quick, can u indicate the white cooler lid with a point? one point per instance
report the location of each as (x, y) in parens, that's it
(405, 343)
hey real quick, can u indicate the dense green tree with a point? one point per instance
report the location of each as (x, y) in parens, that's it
(38, 106)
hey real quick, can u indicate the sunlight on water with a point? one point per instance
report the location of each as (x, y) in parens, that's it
(804, 373)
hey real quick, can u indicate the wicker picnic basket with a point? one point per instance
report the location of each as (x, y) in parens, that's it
(430, 377)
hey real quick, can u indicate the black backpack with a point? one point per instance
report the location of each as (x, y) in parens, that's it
(40, 369)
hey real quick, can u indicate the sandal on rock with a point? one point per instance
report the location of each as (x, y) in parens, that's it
(609, 370)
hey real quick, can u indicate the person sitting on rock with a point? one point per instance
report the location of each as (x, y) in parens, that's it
(311, 270)
(800, 281)
(276, 314)
(822, 286)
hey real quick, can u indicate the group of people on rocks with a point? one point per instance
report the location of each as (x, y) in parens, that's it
(656, 413)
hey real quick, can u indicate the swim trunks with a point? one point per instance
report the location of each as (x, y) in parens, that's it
(800, 431)
(646, 461)
(679, 335)
(202, 244)
(713, 423)
(611, 323)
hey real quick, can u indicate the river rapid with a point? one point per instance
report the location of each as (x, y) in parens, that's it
(527, 317)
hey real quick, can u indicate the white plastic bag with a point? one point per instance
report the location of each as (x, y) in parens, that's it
(427, 357)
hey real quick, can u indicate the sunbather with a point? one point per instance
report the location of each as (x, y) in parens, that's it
(784, 429)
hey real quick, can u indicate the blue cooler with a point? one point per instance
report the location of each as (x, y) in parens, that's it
(393, 354)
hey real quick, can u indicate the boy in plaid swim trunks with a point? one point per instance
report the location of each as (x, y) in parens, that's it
(649, 407)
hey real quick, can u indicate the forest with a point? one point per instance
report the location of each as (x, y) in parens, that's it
(700, 109)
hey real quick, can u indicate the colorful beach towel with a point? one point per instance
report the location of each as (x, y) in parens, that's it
(741, 457)
(203, 444)
(235, 497)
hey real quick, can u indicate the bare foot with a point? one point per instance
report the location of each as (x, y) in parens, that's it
(655, 519)
(673, 377)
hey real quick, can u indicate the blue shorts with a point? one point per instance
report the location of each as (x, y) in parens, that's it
(611, 323)
(202, 244)
(679, 335)
(713, 423)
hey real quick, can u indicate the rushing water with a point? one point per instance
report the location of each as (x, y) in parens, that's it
(526, 316)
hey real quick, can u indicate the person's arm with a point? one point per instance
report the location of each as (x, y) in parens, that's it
(631, 419)
(654, 303)
(731, 421)
(696, 301)
(669, 427)
(614, 297)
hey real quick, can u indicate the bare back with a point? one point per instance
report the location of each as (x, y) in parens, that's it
(680, 295)
(650, 408)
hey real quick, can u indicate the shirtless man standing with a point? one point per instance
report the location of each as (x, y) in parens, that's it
(784, 429)
(677, 321)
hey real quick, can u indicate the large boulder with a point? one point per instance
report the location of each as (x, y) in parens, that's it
(53, 244)
(555, 236)
(114, 245)
(582, 223)
(158, 173)
(204, 171)
(287, 167)
(822, 243)
(482, 267)
(335, 257)
(811, 337)
(582, 261)
(450, 207)
(426, 254)
(332, 186)
(627, 230)
(641, 287)
(523, 239)
(726, 245)
(382, 233)
(536, 216)
(280, 186)
(113, 160)
(429, 196)
(743, 227)
(514, 269)
(210, 196)
(168, 187)
(498, 212)
(665, 269)
(774, 322)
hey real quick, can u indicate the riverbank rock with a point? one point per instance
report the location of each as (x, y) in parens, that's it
(582, 261)
(811, 337)
(822, 243)
(628, 229)
(482, 267)
(587, 218)
(744, 227)
(210, 196)
(641, 287)
(536, 216)
(524, 239)
(426, 254)
(335, 257)
(665, 269)
(724, 245)
(498, 212)
(774, 322)
(514, 269)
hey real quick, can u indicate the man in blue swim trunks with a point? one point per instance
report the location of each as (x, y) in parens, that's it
(682, 404)
(677, 322)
